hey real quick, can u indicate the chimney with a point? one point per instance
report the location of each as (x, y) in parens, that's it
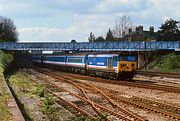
(141, 29)
(130, 30)
(151, 29)
(137, 29)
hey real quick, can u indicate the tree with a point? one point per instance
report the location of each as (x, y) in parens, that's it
(122, 26)
(99, 39)
(109, 36)
(8, 32)
(91, 37)
(169, 31)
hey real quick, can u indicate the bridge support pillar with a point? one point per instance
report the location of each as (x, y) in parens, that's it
(141, 61)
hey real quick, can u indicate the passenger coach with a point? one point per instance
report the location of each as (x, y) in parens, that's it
(119, 66)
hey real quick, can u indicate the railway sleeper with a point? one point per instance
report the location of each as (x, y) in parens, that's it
(147, 107)
(158, 105)
(114, 113)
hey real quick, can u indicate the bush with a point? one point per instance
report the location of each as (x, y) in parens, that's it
(48, 107)
(170, 61)
(40, 91)
(4, 60)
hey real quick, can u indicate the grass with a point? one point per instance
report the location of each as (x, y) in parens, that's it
(24, 88)
(21, 81)
(5, 113)
(165, 63)
(5, 59)
(86, 118)
(49, 106)
(40, 91)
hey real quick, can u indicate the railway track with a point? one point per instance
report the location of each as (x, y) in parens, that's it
(75, 102)
(151, 105)
(115, 110)
(134, 83)
(138, 84)
(163, 74)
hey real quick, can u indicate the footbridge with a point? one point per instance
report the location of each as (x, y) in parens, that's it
(93, 46)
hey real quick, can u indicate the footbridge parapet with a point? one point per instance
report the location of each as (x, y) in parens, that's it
(94, 46)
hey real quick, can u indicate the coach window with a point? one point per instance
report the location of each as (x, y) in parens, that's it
(90, 58)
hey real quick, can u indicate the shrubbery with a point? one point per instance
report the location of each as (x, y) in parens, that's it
(4, 60)
(40, 91)
(49, 108)
(164, 62)
(170, 61)
(48, 105)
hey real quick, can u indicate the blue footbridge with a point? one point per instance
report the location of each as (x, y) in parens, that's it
(93, 46)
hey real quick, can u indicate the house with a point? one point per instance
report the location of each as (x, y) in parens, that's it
(140, 34)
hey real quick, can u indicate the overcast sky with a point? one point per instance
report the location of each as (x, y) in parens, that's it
(64, 20)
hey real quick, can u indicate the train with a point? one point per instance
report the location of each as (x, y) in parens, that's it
(107, 65)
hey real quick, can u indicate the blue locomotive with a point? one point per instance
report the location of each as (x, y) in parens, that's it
(119, 66)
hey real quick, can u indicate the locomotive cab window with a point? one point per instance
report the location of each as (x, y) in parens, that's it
(122, 58)
(127, 58)
(131, 58)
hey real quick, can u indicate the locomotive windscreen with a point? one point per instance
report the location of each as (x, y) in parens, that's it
(127, 58)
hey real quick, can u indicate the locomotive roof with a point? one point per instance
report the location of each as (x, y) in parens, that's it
(91, 53)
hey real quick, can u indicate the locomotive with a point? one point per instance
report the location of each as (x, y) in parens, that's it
(114, 65)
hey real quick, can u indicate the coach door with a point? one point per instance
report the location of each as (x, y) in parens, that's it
(109, 62)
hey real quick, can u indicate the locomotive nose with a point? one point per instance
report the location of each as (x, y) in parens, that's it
(133, 65)
(123, 65)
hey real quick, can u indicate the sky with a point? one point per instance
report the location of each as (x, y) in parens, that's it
(65, 20)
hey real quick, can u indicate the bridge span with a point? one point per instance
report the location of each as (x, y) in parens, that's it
(93, 46)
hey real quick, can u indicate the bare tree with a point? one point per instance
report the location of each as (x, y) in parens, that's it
(109, 36)
(91, 37)
(122, 26)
